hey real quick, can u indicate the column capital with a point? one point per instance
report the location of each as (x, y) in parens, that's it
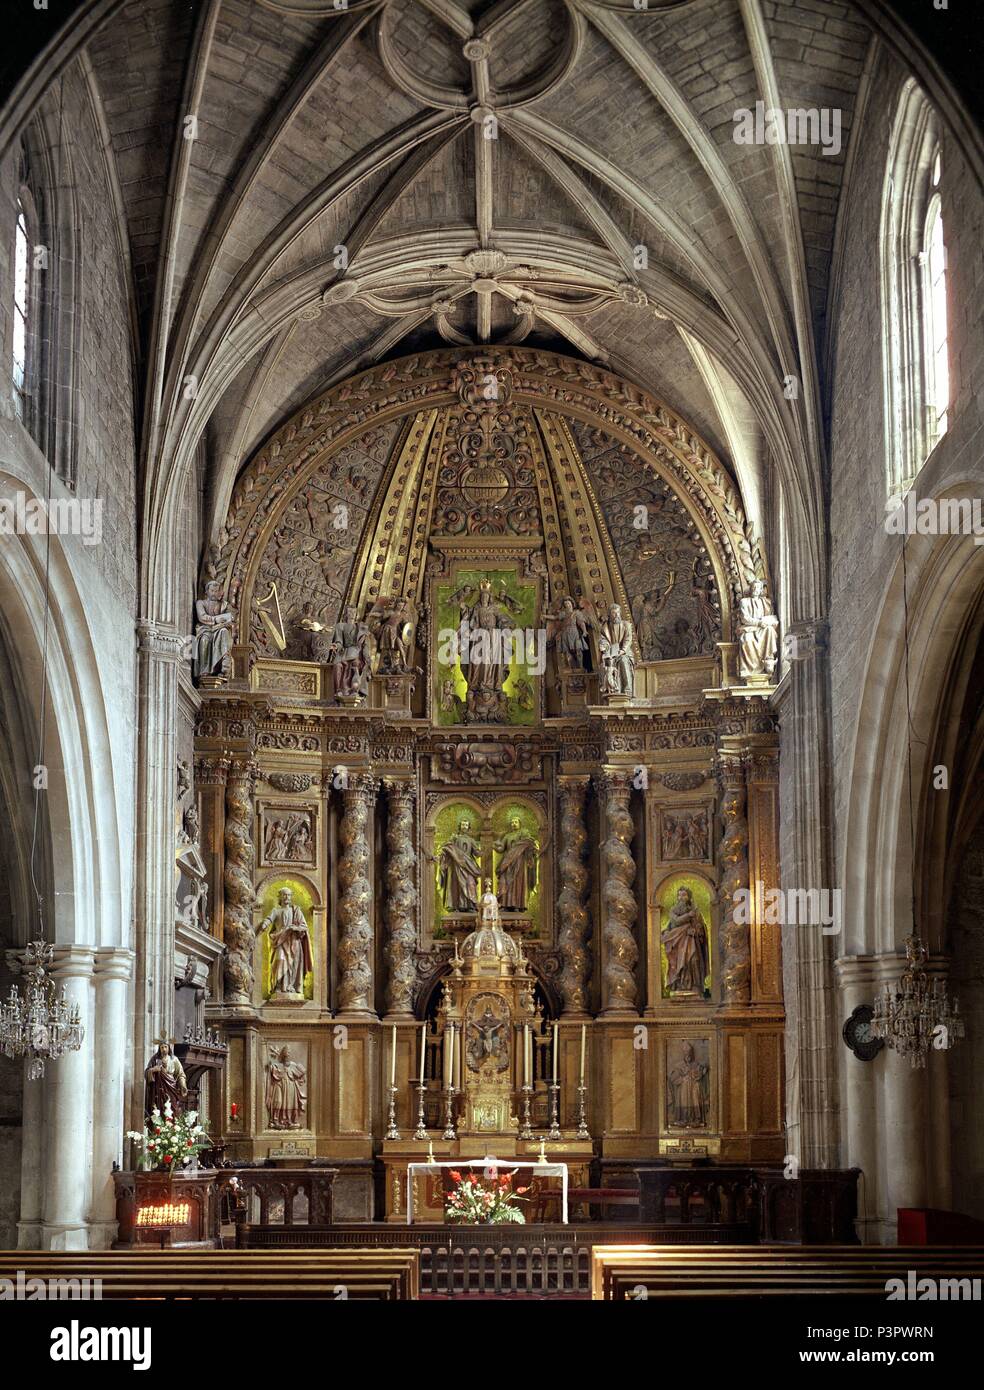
(161, 641)
(114, 963)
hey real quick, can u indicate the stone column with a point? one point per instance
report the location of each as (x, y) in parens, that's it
(618, 904)
(401, 900)
(806, 857)
(68, 1133)
(32, 1161)
(573, 916)
(237, 883)
(159, 649)
(354, 909)
(856, 979)
(111, 975)
(734, 939)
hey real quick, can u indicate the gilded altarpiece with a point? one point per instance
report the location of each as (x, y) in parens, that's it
(422, 567)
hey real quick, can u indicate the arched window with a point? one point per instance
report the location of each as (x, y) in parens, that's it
(934, 290)
(917, 377)
(28, 348)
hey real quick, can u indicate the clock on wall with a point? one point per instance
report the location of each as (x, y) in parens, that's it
(858, 1035)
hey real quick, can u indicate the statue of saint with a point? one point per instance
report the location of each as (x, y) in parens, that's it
(285, 1090)
(570, 636)
(758, 634)
(489, 914)
(459, 870)
(688, 1092)
(213, 638)
(166, 1081)
(685, 943)
(617, 648)
(349, 655)
(485, 632)
(290, 945)
(392, 621)
(517, 868)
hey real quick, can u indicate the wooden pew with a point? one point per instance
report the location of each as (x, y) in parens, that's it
(629, 1272)
(381, 1273)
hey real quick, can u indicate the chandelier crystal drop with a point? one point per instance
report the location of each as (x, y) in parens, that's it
(42, 1025)
(916, 1014)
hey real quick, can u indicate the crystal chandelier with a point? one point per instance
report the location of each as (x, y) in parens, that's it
(917, 1014)
(42, 1025)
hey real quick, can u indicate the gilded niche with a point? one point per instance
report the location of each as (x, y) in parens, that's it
(488, 656)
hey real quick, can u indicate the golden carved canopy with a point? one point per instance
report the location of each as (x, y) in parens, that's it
(605, 491)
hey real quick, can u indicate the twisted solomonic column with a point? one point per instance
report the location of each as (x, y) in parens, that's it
(572, 911)
(400, 907)
(354, 915)
(618, 904)
(735, 940)
(237, 882)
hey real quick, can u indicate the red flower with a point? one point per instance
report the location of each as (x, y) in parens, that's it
(521, 1190)
(168, 1157)
(455, 1175)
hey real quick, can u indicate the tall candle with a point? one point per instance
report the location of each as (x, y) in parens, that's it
(457, 1059)
(393, 1056)
(584, 1037)
(527, 1054)
(555, 1054)
(447, 1057)
(423, 1049)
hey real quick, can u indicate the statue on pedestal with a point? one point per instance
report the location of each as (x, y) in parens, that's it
(685, 943)
(758, 635)
(290, 946)
(617, 646)
(213, 639)
(166, 1081)
(569, 635)
(459, 870)
(285, 1090)
(349, 656)
(517, 868)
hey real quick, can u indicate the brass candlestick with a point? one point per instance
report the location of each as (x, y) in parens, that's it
(449, 1130)
(527, 1131)
(421, 1131)
(554, 1132)
(392, 1132)
(582, 1119)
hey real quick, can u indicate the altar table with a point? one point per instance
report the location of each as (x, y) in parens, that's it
(477, 1165)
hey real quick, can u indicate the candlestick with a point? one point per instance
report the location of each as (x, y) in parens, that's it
(582, 1120)
(555, 1052)
(421, 1131)
(584, 1039)
(554, 1111)
(393, 1055)
(423, 1049)
(527, 1130)
(527, 1054)
(449, 1130)
(392, 1132)
(456, 1044)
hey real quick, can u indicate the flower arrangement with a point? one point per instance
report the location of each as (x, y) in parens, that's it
(169, 1141)
(484, 1203)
